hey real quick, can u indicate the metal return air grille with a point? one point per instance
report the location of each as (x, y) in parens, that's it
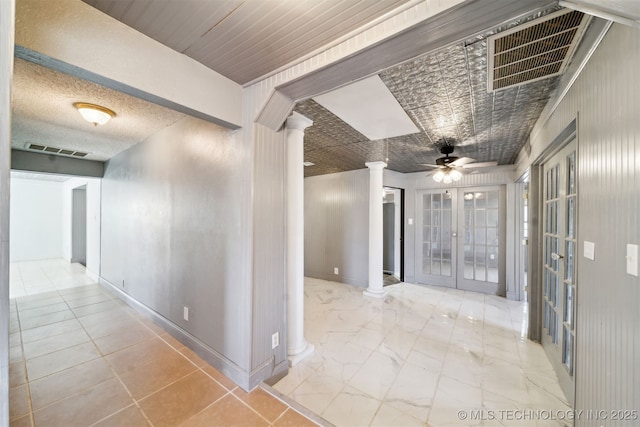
(55, 150)
(541, 49)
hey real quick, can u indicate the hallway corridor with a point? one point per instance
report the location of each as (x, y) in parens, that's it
(81, 357)
(36, 277)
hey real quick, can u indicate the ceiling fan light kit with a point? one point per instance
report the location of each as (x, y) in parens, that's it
(95, 114)
(447, 166)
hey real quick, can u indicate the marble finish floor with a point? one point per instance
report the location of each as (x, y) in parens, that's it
(419, 357)
(81, 357)
(35, 277)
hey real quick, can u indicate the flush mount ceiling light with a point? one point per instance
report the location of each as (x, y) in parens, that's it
(94, 113)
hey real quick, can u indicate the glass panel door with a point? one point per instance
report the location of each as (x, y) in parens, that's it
(559, 264)
(479, 214)
(482, 240)
(436, 237)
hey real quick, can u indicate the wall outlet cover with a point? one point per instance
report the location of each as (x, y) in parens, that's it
(185, 313)
(336, 270)
(275, 340)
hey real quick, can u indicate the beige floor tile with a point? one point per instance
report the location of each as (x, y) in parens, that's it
(181, 400)
(53, 329)
(54, 343)
(218, 376)
(125, 338)
(45, 309)
(151, 377)
(18, 402)
(128, 417)
(140, 354)
(46, 319)
(262, 402)
(61, 360)
(69, 382)
(85, 408)
(293, 418)
(24, 421)
(17, 374)
(229, 411)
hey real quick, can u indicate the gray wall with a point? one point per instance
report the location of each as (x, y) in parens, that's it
(172, 233)
(336, 227)
(606, 100)
(269, 252)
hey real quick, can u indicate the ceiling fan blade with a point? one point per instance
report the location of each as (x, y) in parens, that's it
(429, 165)
(462, 161)
(480, 165)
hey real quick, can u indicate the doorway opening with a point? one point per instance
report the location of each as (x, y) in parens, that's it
(393, 236)
(79, 225)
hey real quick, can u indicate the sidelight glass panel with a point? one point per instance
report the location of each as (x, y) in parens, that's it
(468, 262)
(481, 221)
(492, 217)
(570, 216)
(446, 201)
(568, 304)
(435, 217)
(546, 317)
(571, 166)
(435, 267)
(437, 230)
(567, 351)
(426, 202)
(436, 201)
(493, 199)
(569, 264)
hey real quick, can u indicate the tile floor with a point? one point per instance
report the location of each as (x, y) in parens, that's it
(36, 277)
(81, 357)
(418, 357)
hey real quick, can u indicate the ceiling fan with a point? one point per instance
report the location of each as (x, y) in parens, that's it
(448, 166)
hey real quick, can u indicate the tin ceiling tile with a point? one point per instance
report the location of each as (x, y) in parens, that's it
(445, 94)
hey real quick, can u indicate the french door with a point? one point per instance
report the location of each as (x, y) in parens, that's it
(461, 238)
(559, 264)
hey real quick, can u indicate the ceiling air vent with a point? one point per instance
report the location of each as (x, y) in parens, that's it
(55, 150)
(536, 50)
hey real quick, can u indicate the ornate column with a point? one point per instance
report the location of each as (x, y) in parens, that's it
(375, 230)
(297, 347)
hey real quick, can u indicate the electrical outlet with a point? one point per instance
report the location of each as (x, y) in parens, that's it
(275, 340)
(336, 271)
(122, 283)
(185, 313)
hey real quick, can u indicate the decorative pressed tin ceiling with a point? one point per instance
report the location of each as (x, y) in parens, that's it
(445, 94)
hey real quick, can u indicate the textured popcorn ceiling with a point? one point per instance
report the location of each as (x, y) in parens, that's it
(43, 113)
(445, 94)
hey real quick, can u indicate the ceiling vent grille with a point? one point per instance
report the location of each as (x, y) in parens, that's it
(534, 51)
(55, 150)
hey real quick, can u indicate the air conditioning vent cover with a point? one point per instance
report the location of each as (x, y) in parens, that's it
(537, 50)
(56, 150)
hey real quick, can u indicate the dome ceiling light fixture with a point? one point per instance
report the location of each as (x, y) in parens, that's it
(95, 114)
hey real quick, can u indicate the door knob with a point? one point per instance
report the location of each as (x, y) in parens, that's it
(556, 257)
